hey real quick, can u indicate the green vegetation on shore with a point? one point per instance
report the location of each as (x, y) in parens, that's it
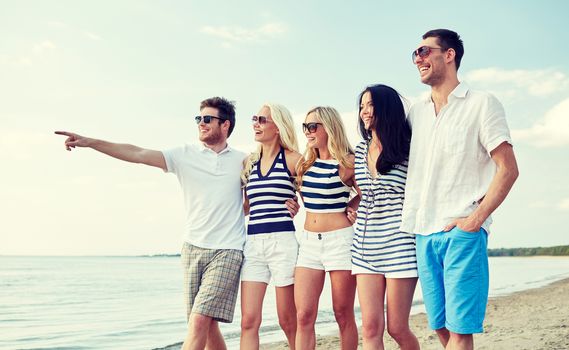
(560, 250)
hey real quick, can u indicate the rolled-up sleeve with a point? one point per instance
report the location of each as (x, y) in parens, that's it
(494, 130)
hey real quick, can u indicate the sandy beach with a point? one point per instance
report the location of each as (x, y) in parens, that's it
(533, 319)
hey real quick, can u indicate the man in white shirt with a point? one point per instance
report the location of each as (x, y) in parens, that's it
(209, 174)
(461, 167)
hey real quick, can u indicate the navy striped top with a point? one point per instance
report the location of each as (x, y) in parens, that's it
(379, 245)
(267, 195)
(322, 189)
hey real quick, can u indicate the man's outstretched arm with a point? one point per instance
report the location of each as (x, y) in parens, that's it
(126, 152)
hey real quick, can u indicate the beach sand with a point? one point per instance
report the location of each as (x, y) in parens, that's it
(533, 319)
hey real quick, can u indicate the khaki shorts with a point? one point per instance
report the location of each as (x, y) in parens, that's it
(211, 281)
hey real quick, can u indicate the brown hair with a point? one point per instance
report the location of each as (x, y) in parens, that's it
(225, 107)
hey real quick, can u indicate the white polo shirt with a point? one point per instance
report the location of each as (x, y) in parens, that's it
(212, 195)
(450, 168)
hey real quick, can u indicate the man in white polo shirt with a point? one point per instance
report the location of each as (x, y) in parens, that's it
(209, 174)
(461, 167)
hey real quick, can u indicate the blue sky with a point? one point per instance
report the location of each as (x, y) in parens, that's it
(135, 72)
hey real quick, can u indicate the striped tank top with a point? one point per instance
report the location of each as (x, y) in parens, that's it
(322, 189)
(379, 245)
(267, 195)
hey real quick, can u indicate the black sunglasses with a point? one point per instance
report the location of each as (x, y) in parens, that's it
(310, 127)
(423, 52)
(261, 119)
(206, 119)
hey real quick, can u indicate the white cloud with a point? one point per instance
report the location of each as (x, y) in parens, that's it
(563, 204)
(23, 61)
(44, 46)
(92, 36)
(240, 34)
(550, 131)
(27, 59)
(540, 83)
(408, 101)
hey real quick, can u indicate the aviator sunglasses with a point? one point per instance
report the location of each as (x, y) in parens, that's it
(423, 52)
(261, 119)
(206, 119)
(310, 127)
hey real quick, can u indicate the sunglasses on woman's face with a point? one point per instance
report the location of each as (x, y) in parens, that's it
(310, 127)
(206, 119)
(423, 52)
(259, 119)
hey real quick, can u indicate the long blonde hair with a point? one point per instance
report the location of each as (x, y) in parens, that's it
(287, 137)
(338, 144)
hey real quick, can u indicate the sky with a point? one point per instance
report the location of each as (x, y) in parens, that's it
(134, 71)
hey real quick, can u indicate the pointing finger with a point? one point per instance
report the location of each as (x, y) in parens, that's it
(64, 133)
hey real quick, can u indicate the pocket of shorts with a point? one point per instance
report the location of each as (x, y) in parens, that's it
(249, 247)
(288, 241)
(349, 239)
(184, 254)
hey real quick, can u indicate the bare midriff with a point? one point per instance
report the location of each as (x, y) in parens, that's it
(324, 222)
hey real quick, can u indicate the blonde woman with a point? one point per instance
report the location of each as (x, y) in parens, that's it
(271, 247)
(326, 179)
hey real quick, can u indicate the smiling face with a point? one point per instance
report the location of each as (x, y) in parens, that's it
(268, 131)
(366, 110)
(319, 138)
(432, 68)
(211, 133)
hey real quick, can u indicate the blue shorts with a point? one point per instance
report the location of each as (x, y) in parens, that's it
(453, 270)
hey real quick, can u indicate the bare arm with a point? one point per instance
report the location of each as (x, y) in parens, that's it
(506, 174)
(126, 152)
(292, 160)
(353, 204)
(348, 177)
(246, 207)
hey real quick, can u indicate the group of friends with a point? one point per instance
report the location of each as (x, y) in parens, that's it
(412, 201)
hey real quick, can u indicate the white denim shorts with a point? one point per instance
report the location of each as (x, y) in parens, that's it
(358, 270)
(328, 251)
(270, 257)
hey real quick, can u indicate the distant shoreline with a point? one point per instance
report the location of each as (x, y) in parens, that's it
(560, 250)
(556, 251)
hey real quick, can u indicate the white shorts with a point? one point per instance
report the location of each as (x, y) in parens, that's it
(328, 251)
(270, 256)
(358, 270)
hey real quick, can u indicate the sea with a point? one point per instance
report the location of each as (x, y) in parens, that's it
(137, 302)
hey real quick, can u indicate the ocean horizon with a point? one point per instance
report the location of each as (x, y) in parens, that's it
(126, 302)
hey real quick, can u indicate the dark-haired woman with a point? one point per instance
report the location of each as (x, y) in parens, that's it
(383, 257)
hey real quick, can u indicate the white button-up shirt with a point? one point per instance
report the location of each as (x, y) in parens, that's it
(212, 195)
(450, 168)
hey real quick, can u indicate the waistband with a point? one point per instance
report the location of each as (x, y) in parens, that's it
(328, 234)
(272, 235)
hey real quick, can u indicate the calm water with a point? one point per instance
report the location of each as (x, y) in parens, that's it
(136, 302)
